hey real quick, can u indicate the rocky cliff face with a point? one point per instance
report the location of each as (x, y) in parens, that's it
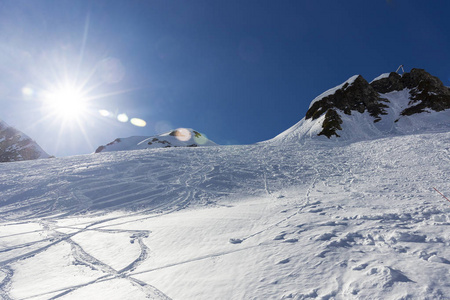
(16, 146)
(427, 91)
(357, 96)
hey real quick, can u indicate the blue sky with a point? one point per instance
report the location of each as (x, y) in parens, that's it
(238, 71)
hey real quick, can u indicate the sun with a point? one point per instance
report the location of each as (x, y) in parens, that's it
(66, 102)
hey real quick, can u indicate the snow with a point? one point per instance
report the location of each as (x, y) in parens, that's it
(51, 270)
(384, 75)
(395, 123)
(124, 144)
(284, 220)
(114, 248)
(180, 137)
(333, 90)
(361, 126)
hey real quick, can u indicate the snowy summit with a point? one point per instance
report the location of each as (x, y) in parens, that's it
(390, 105)
(349, 203)
(181, 137)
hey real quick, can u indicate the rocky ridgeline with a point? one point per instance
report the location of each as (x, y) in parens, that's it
(427, 93)
(358, 96)
(16, 146)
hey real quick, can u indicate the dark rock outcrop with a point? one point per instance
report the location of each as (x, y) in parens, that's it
(100, 149)
(427, 91)
(358, 96)
(331, 124)
(388, 84)
(391, 104)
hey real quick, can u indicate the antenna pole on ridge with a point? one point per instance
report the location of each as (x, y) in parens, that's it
(400, 67)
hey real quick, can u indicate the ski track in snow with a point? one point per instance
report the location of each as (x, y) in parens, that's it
(82, 257)
(362, 214)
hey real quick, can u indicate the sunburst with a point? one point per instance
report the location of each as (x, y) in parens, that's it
(66, 103)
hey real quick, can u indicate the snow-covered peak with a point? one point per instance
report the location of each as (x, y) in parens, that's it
(355, 110)
(181, 137)
(332, 91)
(384, 75)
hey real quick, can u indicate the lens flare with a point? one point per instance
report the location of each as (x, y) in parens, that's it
(122, 118)
(104, 113)
(200, 138)
(27, 91)
(138, 122)
(182, 134)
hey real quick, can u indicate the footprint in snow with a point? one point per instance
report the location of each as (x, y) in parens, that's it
(284, 261)
(137, 235)
(279, 237)
(401, 249)
(360, 267)
(334, 223)
(388, 276)
(291, 241)
(438, 259)
(325, 236)
(408, 237)
(236, 241)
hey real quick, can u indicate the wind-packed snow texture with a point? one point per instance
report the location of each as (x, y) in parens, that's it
(268, 221)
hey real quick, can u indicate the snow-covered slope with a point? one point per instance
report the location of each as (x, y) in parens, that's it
(16, 146)
(181, 137)
(358, 221)
(275, 220)
(391, 104)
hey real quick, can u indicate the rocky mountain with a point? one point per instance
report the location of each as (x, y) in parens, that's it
(181, 137)
(389, 104)
(426, 91)
(17, 146)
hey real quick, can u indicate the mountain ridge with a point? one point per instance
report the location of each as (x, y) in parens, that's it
(389, 104)
(181, 137)
(17, 146)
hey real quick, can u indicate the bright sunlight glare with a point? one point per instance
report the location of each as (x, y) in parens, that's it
(67, 102)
